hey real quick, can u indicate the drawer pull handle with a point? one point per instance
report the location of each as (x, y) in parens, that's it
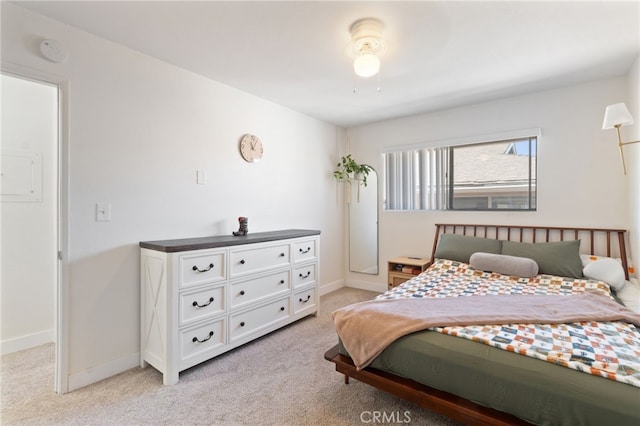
(305, 251)
(282, 308)
(197, 305)
(281, 254)
(281, 281)
(195, 268)
(305, 276)
(195, 339)
(306, 300)
(241, 292)
(242, 324)
(242, 262)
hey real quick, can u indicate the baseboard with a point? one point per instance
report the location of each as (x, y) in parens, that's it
(101, 372)
(367, 285)
(26, 342)
(328, 288)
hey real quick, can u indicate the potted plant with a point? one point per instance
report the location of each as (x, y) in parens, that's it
(349, 170)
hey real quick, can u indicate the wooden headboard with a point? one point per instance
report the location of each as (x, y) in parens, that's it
(595, 241)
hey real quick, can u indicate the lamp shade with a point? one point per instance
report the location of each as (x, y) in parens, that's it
(366, 65)
(616, 114)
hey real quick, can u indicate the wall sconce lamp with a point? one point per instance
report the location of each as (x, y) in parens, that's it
(617, 115)
(366, 46)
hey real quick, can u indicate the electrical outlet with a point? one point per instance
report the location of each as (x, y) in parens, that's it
(103, 212)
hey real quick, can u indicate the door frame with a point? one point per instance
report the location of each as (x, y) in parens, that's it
(61, 330)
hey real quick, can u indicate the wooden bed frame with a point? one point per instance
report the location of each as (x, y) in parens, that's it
(596, 241)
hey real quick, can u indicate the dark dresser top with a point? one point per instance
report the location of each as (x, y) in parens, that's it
(186, 244)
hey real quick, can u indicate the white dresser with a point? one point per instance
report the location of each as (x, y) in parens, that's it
(201, 297)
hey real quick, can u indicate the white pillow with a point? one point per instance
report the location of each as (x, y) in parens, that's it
(504, 264)
(606, 269)
(630, 295)
(589, 258)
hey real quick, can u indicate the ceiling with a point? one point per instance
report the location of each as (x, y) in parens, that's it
(441, 54)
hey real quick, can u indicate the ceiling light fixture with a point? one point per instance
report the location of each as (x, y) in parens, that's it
(367, 45)
(617, 115)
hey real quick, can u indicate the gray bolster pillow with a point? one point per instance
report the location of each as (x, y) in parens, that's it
(504, 264)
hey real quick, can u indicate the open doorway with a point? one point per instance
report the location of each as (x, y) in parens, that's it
(30, 206)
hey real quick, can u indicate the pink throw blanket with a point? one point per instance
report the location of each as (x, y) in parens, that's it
(367, 328)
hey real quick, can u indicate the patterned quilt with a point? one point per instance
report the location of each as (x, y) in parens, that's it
(606, 349)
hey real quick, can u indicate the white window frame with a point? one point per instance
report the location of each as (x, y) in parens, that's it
(435, 194)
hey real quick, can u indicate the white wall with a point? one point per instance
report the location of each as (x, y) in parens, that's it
(27, 286)
(139, 129)
(580, 181)
(632, 157)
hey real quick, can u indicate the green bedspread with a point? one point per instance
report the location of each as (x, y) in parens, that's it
(534, 390)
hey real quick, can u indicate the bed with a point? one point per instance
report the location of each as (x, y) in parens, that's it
(477, 381)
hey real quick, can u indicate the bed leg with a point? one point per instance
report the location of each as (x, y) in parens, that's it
(346, 379)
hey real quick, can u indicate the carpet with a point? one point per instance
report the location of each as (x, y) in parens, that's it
(279, 379)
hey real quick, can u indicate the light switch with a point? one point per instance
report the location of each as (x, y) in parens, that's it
(201, 177)
(103, 212)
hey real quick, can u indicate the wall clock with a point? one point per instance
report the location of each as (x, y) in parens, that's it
(251, 148)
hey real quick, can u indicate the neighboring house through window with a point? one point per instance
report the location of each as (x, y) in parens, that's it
(496, 172)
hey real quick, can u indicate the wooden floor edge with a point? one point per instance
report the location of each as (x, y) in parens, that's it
(432, 399)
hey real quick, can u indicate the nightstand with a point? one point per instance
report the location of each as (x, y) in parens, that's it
(401, 269)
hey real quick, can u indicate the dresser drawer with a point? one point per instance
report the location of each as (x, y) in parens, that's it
(304, 250)
(199, 305)
(201, 267)
(244, 292)
(304, 300)
(244, 323)
(249, 261)
(199, 341)
(304, 275)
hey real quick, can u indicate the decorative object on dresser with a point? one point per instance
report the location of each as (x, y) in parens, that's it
(201, 297)
(401, 269)
(251, 148)
(243, 223)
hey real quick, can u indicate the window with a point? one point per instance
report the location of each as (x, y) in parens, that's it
(494, 175)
